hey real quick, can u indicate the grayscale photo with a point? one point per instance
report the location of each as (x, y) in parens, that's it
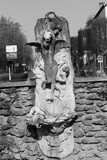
(53, 80)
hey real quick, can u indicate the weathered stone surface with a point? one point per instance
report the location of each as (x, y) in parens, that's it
(100, 104)
(87, 120)
(5, 142)
(3, 96)
(30, 96)
(22, 90)
(80, 96)
(91, 85)
(6, 157)
(89, 102)
(13, 120)
(90, 141)
(57, 113)
(88, 147)
(3, 120)
(17, 104)
(24, 155)
(96, 128)
(8, 91)
(80, 90)
(98, 121)
(18, 112)
(104, 108)
(79, 85)
(90, 134)
(79, 108)
(101, 134)
(102, 147)
(17, 156)
(5, 112)
(19, 130)
(101, 115)
(13, 127)
(91, 109)
(5, 105)
(79, 133)
(81, 102)
(6, 126)
(77, 149)
(92, 128)
(95, 116)
(28, 139)
(104, 128)
(78, 140)
(93, 97)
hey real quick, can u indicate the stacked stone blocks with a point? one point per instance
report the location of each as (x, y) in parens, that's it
(18, 140)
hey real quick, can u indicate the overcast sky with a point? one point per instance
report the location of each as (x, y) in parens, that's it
(26, 12)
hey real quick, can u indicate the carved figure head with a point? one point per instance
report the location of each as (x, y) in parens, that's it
(47, 36)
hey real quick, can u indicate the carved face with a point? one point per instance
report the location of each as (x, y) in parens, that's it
(47, 36)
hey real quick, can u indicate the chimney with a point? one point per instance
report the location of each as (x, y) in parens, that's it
(101, 4)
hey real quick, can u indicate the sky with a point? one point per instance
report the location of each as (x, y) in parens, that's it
(26, 12)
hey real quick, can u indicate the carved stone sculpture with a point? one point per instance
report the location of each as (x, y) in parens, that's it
(53, 113)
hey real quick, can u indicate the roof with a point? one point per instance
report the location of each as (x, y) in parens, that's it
(100, 10)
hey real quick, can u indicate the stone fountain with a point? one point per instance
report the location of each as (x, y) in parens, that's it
(53, 113)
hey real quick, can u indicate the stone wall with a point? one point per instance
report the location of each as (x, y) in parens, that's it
(90, 129)
(18, 140)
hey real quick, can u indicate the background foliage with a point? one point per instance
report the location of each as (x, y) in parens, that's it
(92, 39)
(11, 34)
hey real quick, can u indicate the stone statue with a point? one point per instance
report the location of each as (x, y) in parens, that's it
(53, 113)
